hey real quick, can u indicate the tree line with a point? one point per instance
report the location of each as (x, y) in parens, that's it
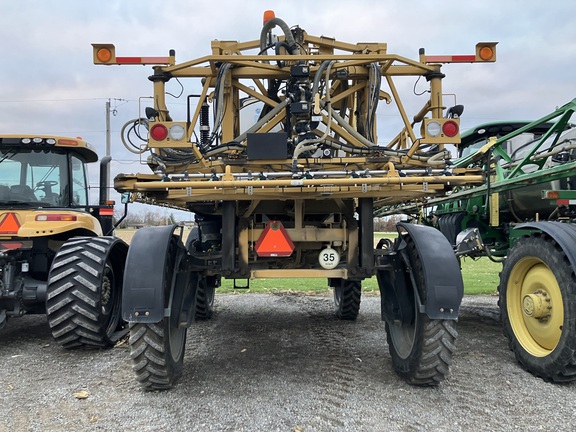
(156, 218)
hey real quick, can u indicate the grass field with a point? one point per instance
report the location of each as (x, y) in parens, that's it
(480, 277)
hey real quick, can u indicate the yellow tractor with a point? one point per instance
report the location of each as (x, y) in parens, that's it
(56, 253)
(279, 159)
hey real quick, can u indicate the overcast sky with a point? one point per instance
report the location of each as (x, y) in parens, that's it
(49, 84)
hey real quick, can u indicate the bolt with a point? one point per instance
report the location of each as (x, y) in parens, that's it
(442, 310)
(136, 313)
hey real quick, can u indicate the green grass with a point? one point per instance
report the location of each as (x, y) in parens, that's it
(480, 277)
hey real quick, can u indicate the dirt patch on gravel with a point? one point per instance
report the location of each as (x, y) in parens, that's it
(278, 363)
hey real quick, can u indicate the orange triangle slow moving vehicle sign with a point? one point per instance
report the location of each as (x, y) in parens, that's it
(274, 241)
(9, 224)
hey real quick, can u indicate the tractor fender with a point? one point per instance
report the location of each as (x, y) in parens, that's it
(444, 285)
(563, 233)
(144, 276)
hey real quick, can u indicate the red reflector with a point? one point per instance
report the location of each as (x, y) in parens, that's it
(159, 132)
(463, 58)
(274, 241)
(106, 212)
(55, 217)
(9, 224)
(142, 60)
(450, 128)
(450, 59)
(563, 202)
(6, 246)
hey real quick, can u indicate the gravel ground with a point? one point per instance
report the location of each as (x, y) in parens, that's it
(278, 363)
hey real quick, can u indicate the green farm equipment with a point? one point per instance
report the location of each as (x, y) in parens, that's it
(524, 217)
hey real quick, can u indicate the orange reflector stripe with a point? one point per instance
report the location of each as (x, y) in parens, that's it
(106, 212)
(9, 224)
(552, 195)
(6, 246)
(274, 241)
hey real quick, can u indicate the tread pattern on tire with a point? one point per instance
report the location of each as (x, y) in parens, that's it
(73, 304)
(151, 343)
(347, 301)
(204, 300)
(438, 345)
(148, 354)
(435, 341)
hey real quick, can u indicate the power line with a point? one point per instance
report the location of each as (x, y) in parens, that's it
(63, 100)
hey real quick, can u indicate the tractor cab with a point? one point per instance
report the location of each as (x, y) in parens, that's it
(38, 172)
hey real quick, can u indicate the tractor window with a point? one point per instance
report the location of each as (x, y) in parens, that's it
(79, 186)
(33, 177)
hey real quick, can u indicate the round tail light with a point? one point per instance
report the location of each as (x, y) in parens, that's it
(450, 128)
(159, 132)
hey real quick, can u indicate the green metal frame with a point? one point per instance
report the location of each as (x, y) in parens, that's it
(503, 174)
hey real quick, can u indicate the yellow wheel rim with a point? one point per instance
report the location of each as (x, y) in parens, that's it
(535, 306)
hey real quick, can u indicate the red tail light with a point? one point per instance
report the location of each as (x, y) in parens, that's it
(450, 128)
(159, 132)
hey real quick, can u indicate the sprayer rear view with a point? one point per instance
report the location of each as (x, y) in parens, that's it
(279, 159)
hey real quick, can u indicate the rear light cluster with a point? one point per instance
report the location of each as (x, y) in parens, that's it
(70, 142)
(175, 132)
(447, 128)
(55, 217)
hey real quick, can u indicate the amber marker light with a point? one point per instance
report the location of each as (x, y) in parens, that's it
(104, 55)
(268, 15)
(67, 142)
(486, 53)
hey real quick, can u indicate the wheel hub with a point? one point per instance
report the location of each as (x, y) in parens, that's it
(536, 305)
(106, 291)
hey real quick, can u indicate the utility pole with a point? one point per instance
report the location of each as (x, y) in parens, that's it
(108, 147)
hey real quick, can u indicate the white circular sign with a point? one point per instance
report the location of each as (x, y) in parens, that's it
(329, 258)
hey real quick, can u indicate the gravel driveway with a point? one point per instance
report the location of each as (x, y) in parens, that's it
(278, 362)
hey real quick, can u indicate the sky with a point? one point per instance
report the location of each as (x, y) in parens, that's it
(49, 85)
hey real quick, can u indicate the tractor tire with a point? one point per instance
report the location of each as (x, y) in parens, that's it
(84, 294)
(537, 300)
(421, 350)
(205, 298)
(157, 349)
(347, 296)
